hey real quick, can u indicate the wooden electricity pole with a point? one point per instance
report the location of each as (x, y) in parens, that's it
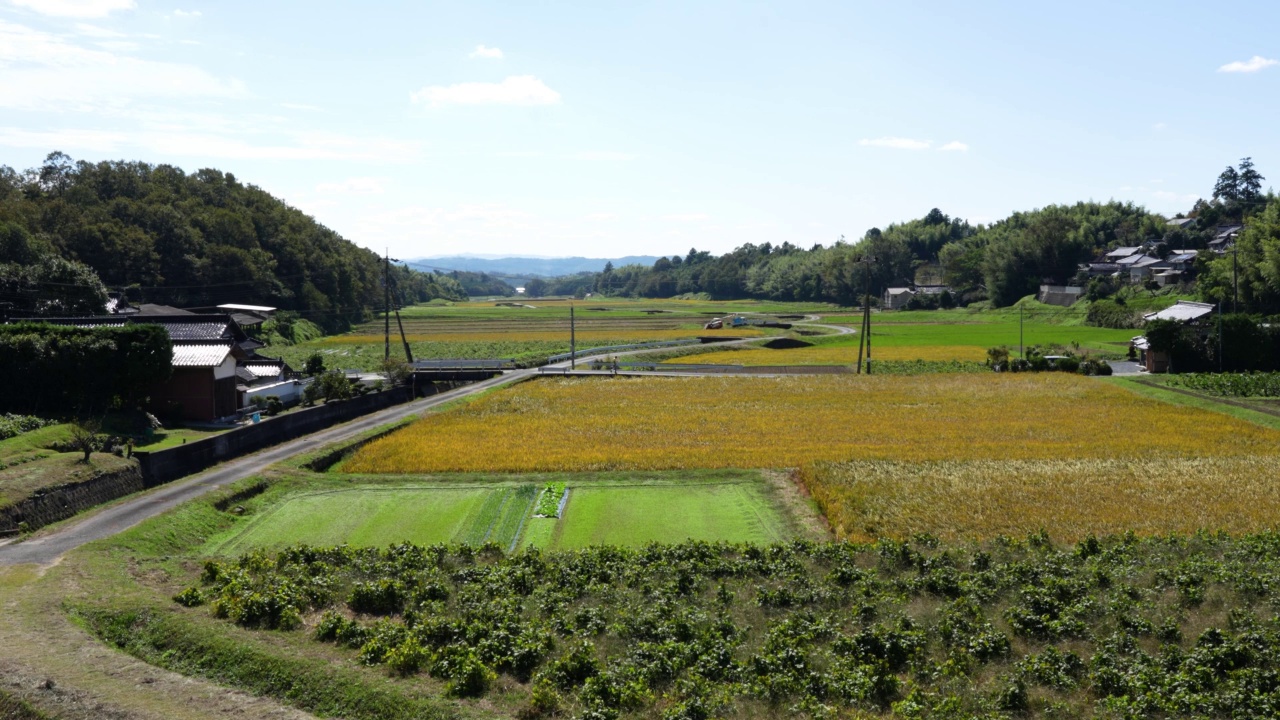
(573, 341)
(386, 310)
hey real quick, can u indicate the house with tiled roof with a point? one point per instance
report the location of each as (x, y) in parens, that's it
(206, 352)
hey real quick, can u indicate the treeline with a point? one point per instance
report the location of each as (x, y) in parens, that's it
(53, 369)
(480, 284)
(183, 240)
(1003, 262)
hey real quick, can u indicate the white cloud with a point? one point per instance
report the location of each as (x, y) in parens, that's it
(94, 140)
(40, 71)
(486, 52)
(955, 146)
(75, 8)
(600, 217)
(687, 217)
(353, 186)
(300, 106)
(515, 90)
(1253, 64)
(1159, 126)
(187, 13)
(896, 143)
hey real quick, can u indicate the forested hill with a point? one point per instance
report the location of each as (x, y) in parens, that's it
(183, 240)
(1004, 261)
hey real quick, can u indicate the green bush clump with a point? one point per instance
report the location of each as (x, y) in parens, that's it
(1118, 626)
(549, 500)
(12, 425)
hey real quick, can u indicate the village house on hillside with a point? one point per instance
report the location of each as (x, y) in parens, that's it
(1183, 311)
(216, 369)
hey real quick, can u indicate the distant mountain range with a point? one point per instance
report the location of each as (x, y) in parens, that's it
(527, 266)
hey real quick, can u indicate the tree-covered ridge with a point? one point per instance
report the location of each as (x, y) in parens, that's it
(1004, 261)
(189, 240)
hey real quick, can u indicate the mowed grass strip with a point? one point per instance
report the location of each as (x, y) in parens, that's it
(1071, 499)
(635, 516)
(585, 424)
(369, 517)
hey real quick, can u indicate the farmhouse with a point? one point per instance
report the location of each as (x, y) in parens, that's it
(1183, 311)
(208, 350)
(896, 298)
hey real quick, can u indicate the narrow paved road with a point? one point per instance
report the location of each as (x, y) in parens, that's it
(46, 549)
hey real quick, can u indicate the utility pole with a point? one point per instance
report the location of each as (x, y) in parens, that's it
(1021, 350)
(866, 314)
(1235, 282)
(386, 310)
(1219, 337)
(573, 341)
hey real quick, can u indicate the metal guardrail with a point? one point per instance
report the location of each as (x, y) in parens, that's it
(620, 348)
(604, 365)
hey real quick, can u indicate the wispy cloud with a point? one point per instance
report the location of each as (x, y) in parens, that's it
(75, 8)
(46, 72)
(897, 143)
(1159, 126)
(353, 186)
(687, 217)
(187, 13)
(515, 90)
(486, 52)
(1253, 64)
(955, 146)
(299, 106)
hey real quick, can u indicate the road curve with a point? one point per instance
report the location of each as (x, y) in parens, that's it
(45, 549)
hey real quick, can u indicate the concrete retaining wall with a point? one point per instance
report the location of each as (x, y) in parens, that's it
(166, 465)
(61, 502)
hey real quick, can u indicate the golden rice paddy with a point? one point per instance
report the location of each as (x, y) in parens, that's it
(621, 335)
(833, 355)
(1071, 499)
(587, 424)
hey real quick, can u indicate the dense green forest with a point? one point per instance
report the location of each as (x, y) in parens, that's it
(71, 230)
(1002, 262)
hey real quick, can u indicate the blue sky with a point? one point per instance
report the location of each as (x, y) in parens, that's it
(604, 129)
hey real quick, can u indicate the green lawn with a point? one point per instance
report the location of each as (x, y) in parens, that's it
(621, 515)
(599, 511)
(381, 516)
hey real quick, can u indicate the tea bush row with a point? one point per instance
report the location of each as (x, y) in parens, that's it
(1125, 627)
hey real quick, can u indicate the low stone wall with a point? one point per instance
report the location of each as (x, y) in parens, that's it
(63, 501)
(164, 466)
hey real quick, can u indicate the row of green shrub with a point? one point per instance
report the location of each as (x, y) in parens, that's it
(1231, 384)
(1118, 627)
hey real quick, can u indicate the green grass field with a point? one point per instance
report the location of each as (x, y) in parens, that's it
(632, 516)
(598, 511)
(383, 515)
